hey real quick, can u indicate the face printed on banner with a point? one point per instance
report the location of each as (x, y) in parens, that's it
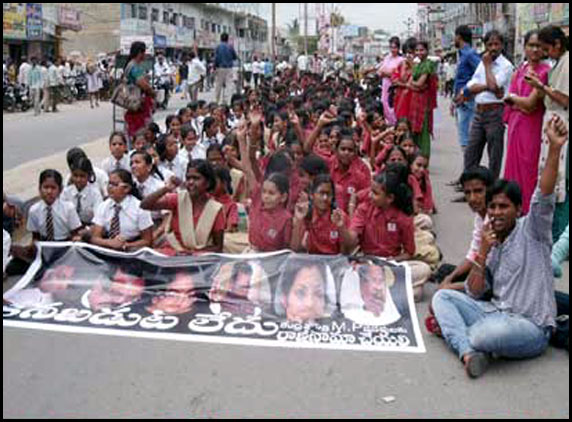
(373, 288)
(57, 280)
(306, 300)
(179, 297)
(123, 290)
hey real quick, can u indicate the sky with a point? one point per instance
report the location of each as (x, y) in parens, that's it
(387, 16)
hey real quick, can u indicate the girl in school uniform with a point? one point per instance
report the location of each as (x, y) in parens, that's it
(174, 126)
(147, 177)
(272, 222)
(419, 169)
(53, 219)
(349, 173)
(119, 222)
(191, 148)
(168, 151)
(383, 226)
(314, 230)
(197, 223)
(99, 179)
(139, 143)
(407, 143)
(84, 196)
(217, 158)
(166, 173)
(119, 159)
(223, 195)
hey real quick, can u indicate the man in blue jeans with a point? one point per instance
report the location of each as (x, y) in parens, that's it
(515, 265)
(469, 60)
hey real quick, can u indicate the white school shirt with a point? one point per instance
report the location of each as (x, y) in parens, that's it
(502, 70)
(90, 198)
(177, 166)
(199, 152)
(65, 216)
(109, 165)
(132, 219)
(101, 182)
(149, 186)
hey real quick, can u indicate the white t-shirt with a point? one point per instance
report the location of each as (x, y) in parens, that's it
(132, 219)
(64, 215)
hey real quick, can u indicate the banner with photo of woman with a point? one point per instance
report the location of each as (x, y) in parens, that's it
(277, 300)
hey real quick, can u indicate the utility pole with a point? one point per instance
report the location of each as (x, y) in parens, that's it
(306, 29)
(274, 33)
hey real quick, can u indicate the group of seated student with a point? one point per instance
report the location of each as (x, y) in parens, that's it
(316, 170)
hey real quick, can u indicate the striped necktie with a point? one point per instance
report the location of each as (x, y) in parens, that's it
(118, 165)
(50, 236)
(78, 206)
(115, 229)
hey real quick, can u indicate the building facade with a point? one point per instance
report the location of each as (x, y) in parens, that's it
(37, 29)
(173, 28)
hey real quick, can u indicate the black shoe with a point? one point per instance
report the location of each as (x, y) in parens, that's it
(459, 189)
(454, 183)
(459, 200)
(476, 365)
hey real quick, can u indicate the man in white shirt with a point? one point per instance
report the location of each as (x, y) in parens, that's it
(23, 72)
(490, 84)
(164, 74)
(197, 72)
(54, 85)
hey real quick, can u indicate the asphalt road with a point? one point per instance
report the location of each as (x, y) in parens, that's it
(67, 375)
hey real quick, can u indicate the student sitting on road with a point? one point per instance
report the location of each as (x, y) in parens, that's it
(119, 222)
(119, 159)
(197, 223)
(84, 196)
(53, 219)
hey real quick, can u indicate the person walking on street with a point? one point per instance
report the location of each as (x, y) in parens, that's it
(36, 84)
(489, 85)
(197, 74)
(224, 62)
(54, 86)
(93, 85)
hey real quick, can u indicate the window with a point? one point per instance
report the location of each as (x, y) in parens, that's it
(188, 23)
(143, 13)
(133, 11)
(155, 15)
(175, 19)
(165, 16)
(213, 28)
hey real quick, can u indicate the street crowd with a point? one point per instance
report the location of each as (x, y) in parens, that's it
(324, 161)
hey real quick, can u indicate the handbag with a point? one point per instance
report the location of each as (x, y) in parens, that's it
(127, 96)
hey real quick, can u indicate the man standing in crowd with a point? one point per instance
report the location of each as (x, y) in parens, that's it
(36, 84)
(54, 86)
(489, 85)
(469, 60)
(23, 72)
(224, 63)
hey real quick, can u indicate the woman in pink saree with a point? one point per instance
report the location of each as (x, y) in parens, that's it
(390, 65)
(524, 116)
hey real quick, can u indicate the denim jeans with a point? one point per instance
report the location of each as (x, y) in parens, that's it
(465, 113)
(468, 327)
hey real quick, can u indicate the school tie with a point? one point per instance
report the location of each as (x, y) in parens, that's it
(78, 207)
(118, 165)
(49, 225)
(115, 229)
